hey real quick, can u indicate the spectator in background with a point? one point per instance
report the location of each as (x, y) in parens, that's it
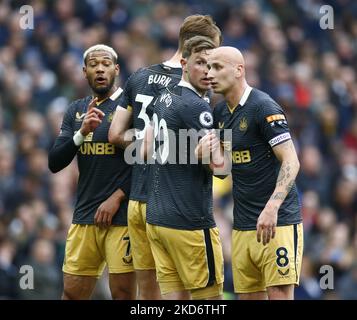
(348, 284)
(46, 279)
(8, 271)
(309, 287)
(312, 175)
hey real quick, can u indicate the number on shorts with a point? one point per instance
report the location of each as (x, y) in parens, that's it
(282, 259)
(127, 258)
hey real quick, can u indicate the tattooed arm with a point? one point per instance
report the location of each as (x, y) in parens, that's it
(289, 169)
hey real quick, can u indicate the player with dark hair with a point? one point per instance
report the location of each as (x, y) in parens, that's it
(180, 225)
(99, 233)
(267, 240)
(135, 109)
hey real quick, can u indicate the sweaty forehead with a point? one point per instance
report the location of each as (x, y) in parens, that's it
(216, 59)
(202, 54)
(99, 54)
(220, 58)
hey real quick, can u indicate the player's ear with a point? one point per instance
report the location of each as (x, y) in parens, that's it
(85, 71)
(239, 70)
(183, 64)
(117, 69)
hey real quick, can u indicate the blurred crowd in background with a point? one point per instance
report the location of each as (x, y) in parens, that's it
(310, 71)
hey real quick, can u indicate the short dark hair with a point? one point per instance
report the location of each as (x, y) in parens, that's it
(197, 44)
(198, 25)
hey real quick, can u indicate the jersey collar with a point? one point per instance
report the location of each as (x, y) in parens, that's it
(188, 85)
(116, 94)
(245, 95)
(172, 64)
(113, 97)
(248, 89)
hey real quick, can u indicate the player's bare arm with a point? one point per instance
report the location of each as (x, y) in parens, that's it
(119, 133)
(289, 169)
(106, 211)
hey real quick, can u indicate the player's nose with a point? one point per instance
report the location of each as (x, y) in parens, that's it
(99, 69)
(210, 75)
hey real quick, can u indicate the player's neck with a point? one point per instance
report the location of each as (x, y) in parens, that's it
(234, 95)
(102, 97)
(200, 92)
(176, 58)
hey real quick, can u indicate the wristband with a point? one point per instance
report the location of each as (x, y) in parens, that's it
(78, 138)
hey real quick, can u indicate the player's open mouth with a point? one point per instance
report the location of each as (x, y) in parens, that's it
(206, 81)
(100, 80)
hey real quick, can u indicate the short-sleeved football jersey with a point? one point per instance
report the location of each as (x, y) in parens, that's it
(258, 123)
(102, 169)
(139, 95)
(180, 195)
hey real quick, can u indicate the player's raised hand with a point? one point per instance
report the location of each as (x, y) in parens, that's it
(215, 143)
(266, 224)
(92, 119)
(92, 104)
(206, 145)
